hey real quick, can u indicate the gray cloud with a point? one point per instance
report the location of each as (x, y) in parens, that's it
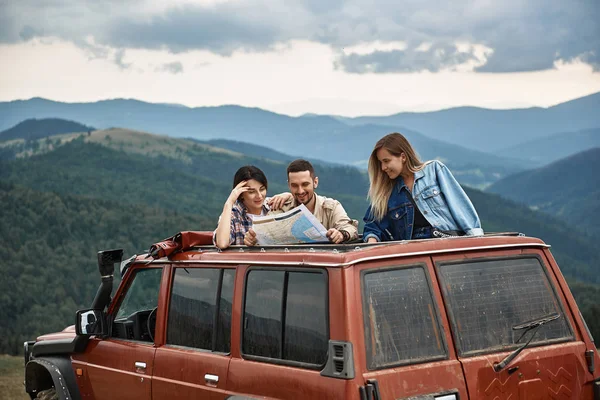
(119, 56)
(173, 67)
(434, 59)
(524, 36)
(221, 31)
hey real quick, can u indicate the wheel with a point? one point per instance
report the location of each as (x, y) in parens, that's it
(48, 394)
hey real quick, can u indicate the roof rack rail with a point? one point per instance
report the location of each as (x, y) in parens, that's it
(504, 234)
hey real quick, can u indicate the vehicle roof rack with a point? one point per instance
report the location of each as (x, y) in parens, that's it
(354, 245)
(202, 241)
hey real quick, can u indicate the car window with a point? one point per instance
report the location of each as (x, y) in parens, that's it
(400, 318)
(305, 332)
(486, 298)
(142, 294)
(136, 316)
(285, 316)
(200, 308)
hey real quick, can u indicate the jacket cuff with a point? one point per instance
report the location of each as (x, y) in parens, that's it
(474, 232)
(370, 235)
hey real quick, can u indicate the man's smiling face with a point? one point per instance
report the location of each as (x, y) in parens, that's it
(302, 186)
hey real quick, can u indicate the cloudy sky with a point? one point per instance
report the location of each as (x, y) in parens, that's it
(350, 58)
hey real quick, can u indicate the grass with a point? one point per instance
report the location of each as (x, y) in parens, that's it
(11, 378)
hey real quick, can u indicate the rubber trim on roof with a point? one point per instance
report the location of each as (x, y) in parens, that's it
(349, 263)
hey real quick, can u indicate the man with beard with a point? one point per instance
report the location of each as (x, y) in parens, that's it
(330, 212)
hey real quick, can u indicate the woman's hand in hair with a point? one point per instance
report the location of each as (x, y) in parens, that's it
(236, 192)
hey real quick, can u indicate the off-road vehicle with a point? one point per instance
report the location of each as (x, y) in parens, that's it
(455, 318)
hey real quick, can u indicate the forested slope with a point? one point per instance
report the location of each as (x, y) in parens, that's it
(49, 258)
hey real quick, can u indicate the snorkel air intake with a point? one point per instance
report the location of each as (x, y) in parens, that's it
(106, 265)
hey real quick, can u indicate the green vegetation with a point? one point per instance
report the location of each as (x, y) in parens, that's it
(49, 254)
(197, 182)
(587, 299)
(91, 193)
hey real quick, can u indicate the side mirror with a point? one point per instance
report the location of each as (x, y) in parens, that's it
(91, 322)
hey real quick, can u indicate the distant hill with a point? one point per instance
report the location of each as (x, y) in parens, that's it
(554, 147)
(568, 188)
(493, 130)
(254, 150)
(314, 137)
(40, 128)
(160, 171)
(472, 168)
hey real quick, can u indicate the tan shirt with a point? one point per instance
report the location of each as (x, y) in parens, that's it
(329, 212)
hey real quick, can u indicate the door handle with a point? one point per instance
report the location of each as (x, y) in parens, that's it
(211, 379)
(140, 365)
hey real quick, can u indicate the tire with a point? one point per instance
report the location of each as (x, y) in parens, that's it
(48, 394)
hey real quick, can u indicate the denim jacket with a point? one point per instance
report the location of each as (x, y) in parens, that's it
(441, 200)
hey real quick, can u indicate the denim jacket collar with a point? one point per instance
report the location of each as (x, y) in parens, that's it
(400, 181)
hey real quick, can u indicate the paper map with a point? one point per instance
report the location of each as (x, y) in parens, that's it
(295, 226)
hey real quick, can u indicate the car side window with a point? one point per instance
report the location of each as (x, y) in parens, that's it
(487, 298)
(136, 317)
(286, 316)
(400, 318)
(200, 308)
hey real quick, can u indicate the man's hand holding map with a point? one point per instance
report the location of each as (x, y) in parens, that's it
(295, 226)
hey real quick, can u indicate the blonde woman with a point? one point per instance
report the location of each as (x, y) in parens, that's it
(411, 199)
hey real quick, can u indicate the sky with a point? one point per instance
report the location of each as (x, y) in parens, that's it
(350, 58)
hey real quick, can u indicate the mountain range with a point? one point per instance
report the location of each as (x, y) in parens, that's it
(554, 147)
(493, 130)
(479, 144)
(568, 189)
(350, 145)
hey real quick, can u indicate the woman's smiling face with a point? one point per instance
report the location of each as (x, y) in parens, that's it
(255, 196)
(392, 165)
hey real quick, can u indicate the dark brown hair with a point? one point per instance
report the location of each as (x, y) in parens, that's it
(248, 172)
(301, 165)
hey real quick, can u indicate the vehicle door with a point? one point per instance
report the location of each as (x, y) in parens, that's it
(120, 366)
(500, 302)
(407, 348)
(193, 362)
(284, 335)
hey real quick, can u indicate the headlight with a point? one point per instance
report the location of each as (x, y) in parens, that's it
(27, 346)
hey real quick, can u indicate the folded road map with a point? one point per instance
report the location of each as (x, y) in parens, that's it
(295, 226)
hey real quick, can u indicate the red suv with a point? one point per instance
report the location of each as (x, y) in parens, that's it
(457, 318)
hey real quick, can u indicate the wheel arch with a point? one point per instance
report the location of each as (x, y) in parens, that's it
(46, 372)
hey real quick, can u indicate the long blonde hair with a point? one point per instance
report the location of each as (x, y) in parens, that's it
(381, 185)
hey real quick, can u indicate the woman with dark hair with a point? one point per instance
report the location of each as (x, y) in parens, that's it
(249, 196)
(411, 199)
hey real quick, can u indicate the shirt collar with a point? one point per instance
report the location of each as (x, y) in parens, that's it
(400, 181)
(400, 184)
(419, 174)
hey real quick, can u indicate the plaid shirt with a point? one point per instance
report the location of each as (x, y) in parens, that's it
(240, 222)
